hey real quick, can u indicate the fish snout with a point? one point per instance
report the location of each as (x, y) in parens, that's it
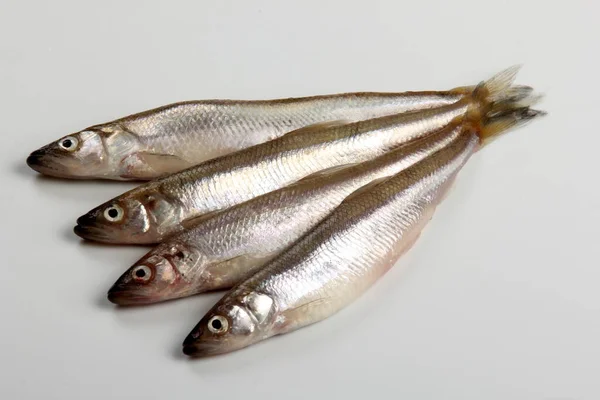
(192, 347)
(41, 162)
(81, 231)
(34, 161)
(202, 343)
(86, 220)
(88, 228)
(120, 296)
(114, 295)
(48, 162)
(199, 349)
(189, 350)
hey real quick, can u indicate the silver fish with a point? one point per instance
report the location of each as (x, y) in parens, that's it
(168, 139)
(156, 210)
(221, 250)
(342, 256)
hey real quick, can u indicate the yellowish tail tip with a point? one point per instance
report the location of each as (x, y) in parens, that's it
(508, 120)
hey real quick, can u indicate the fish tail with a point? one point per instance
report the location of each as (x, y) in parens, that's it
(506, 120)
(497, 84)
(514, 103)
(501, 85)
(499, 97)
(498, 89)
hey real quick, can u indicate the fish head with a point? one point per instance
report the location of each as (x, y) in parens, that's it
(96, 152)
(80, 155)
(141, 216)
(163, 274)
(234, 323)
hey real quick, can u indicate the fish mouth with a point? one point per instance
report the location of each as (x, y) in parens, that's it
(50, 162)
(191, 350)
(197, 346)
(92, 233)
(192, 346)
(204, 349)
(44, 163)
(122, 297)
(38, 161)
(35, 160)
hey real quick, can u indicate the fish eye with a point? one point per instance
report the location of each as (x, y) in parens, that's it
(218, 324)
(69, 143)
(142, 273)
(113, 213)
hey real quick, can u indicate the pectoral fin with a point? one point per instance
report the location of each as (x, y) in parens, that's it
(230, 272)
(295, 316)
(145, 165)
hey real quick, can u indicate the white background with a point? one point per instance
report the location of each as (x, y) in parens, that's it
(500, 297)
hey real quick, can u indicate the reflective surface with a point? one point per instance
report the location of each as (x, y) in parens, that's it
(337, 261)
(155, 210)
(168, 139)
(222, 250)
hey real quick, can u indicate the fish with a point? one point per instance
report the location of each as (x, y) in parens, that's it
(222, 249)
(168, 139)
(344, 255)
(158, 209)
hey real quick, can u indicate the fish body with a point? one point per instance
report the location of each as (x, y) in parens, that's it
(223, 249)
(341, 257)
(157, 209)
(168, 139)
(334, 263)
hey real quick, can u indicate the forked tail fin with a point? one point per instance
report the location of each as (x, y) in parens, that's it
(499, 95)
(498, 105)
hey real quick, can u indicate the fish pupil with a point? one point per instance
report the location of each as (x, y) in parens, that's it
(140, 273)
(216, 324)
(67, 143)
(113, 213)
